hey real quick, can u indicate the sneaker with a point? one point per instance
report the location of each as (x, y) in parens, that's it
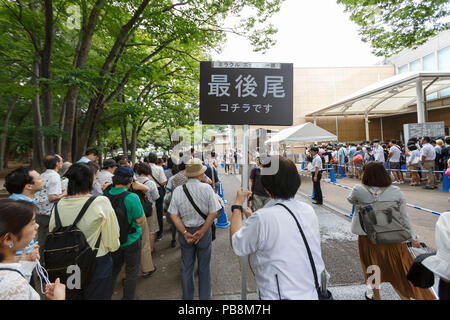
(159, 238)
(428, 187)
(173, 243)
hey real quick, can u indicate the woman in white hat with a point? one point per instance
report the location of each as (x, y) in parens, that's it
(440, 263)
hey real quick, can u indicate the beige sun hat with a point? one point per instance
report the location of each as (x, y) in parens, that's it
(440, 263)
(194, 168)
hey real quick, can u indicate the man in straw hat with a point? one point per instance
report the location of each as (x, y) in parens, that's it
(195, 234)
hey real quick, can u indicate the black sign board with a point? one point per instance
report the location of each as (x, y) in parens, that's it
(246, 93)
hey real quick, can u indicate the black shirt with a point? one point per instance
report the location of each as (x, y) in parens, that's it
(257, 187)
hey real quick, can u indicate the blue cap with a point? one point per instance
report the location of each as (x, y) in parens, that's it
(124, 172)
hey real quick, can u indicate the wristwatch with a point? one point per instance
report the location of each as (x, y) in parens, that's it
(184, 232)
(235, 206)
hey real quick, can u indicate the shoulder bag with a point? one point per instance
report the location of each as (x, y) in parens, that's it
(188, 195)
(322, 292)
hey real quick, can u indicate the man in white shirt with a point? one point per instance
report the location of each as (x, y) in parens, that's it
(157, 175)
(378, 152)
(90, 155)
(394, 162)
(316, 172)
(105, 176)
(427, 156)
(46, 198)
(195, 234)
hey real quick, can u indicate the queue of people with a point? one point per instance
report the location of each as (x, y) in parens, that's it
(418, 159)
(280, 233)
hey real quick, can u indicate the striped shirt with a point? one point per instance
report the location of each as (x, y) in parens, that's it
(203, 196)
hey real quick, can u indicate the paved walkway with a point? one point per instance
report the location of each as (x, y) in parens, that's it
(339, 250)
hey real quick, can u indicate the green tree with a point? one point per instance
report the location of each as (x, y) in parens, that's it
(393, 25)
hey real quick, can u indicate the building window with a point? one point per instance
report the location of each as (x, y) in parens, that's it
(444, 64)
(429, 64)
(415, 66)
(403, 69)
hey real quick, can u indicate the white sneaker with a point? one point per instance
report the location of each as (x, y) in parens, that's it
(395, 182)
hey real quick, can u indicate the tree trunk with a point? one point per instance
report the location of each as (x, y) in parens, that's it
(70, 101)
(38, 141)
(96, 104)
(47, 98)
(5, 132)
(62, 118)
(133, 143)
(123, 131)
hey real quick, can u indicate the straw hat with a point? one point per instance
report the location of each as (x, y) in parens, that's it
(440, 263)
(194, 168)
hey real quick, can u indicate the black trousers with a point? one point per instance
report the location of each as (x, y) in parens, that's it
(160, 211)
(317, 189)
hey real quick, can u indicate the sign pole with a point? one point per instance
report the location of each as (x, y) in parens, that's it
(245, 177)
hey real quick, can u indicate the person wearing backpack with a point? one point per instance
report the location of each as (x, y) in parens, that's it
(130, 216)
(389, 252)
(98, 225)
(150, 226)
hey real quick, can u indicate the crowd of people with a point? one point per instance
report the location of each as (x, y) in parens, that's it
(419, 158)
(95, 200)
(119, 211)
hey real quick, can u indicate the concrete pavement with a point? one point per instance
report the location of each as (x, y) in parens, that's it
(339, 251)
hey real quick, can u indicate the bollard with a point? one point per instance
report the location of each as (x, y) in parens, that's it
(332, 175)
(353, 211)
(222, 221)
(341, 172)
(223, 165)
(445, 182)
(303, 165)
(313, 194)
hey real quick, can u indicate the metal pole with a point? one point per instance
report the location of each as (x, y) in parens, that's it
(337, 128)
(245, 177)
(366, 120)
(381, 123)
(420, 107)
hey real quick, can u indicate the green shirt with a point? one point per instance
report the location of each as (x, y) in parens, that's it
(134, 212)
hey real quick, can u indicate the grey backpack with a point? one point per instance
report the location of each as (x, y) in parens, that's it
(382, 220)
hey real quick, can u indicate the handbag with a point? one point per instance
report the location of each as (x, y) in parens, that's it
(188, 195)
(322, 291)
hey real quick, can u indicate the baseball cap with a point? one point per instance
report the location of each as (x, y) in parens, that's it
(124, 172)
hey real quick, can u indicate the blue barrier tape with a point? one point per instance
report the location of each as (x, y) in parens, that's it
(349, 188)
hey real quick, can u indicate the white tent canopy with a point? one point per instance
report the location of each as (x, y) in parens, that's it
(306, 132)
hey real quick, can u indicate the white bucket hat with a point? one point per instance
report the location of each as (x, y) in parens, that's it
(194, 168)
(440, 263)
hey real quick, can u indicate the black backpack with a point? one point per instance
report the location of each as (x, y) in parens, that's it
(145, 202)
(117, 202)
(67, 246)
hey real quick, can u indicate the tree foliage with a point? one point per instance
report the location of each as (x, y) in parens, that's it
(393, 25)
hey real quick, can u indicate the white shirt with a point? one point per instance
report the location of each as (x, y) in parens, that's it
(158, 173)
(52, 186)
(279, 256)
(316, 163)
(428, 151)
(152, 193)
(395, 157)
(14, 286)
(104, 176)
(378, 153)
(203, 196)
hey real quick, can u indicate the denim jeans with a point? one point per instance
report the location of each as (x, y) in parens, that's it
(131, 256)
